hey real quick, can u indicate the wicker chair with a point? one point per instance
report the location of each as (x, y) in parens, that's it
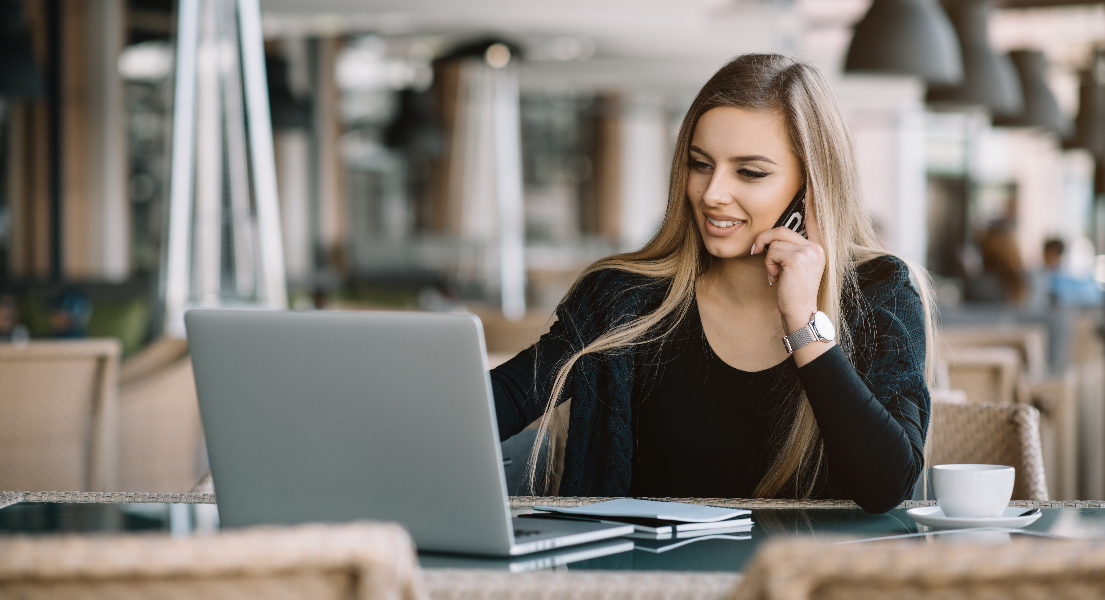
(156, 356)
(161, 445)
(58, 415)
(1030, 341)
(986, 374)
(1055, 395)
(801, 569)
(1057, 400)
(362, 561)
(1004, 434)
(481, 584)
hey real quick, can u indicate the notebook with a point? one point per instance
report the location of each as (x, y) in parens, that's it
(650, 526)
(632, 508)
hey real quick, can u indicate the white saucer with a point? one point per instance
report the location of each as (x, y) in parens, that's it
(933, 517)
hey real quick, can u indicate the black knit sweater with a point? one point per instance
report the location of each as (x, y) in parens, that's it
(873, 417)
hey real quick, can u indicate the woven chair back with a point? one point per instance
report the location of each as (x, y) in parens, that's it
(1000, 434)
(803, 569)
(358, 561)
(986, 374)
(159, 354)
(1030, 341)
(58, 415)
(161, 446)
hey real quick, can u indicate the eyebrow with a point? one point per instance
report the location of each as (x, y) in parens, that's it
(747, 158)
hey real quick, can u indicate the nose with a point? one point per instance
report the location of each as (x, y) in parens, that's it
(718, 192)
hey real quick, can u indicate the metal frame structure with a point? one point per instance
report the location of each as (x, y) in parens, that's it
(179, 279)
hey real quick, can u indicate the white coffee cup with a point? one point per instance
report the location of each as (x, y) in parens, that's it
(972, 491)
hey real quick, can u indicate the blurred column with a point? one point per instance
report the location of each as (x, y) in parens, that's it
(911, 224)
(508, 191)
(631, 158)
(224, 242)
(293, 157)
(601, 214)
(95, 216)
(483, 198)
(329, 166)
(115, 225)
(644, 169)
(289, 86)
(887, 123)
(28, 159)
(1036, 168)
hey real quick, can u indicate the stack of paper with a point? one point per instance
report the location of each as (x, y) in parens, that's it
(655, 520)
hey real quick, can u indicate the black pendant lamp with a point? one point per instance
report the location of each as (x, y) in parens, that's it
(20, 76)
(906, 37)
(1040, 106)
(989, 78)
(1090, 126)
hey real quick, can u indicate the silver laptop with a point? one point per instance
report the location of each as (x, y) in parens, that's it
(336, 416)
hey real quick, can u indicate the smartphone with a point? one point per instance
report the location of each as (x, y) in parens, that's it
(794, 217)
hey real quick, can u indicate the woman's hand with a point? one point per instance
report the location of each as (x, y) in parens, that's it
(794, 266)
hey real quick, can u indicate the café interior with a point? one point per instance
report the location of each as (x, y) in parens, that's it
(476, 156)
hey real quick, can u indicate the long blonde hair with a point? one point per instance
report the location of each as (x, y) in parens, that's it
(677, 255)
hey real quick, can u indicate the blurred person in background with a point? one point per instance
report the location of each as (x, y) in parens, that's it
(707, 364)
(1052, 286)
(1056, 296)
(70, 312)
(1003, 278)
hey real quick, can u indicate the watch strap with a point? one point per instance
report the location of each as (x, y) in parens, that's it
(803, 337)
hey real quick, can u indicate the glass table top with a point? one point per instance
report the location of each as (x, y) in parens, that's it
(702, 554)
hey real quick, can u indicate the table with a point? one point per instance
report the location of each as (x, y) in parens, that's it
(181, 514)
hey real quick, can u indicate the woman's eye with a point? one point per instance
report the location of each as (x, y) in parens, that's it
(752, 174)
(699, 165)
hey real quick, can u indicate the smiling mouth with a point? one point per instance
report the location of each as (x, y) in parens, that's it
(723, 224)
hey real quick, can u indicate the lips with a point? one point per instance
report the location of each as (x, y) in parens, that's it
(722, 225)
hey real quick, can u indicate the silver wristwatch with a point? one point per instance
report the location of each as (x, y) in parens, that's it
(819, 329)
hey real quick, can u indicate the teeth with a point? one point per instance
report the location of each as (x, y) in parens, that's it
(721, 223)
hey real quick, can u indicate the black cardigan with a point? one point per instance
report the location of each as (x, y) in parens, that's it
(886, 323)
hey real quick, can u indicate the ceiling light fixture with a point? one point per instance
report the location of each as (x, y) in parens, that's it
(989, 78)
(1040, 107)
(906, 37)
(1090, 129)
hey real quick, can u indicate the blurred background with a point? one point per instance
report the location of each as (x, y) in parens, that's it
(477, 155)
(976, 124)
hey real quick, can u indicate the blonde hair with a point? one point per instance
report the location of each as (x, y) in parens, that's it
(677, 255)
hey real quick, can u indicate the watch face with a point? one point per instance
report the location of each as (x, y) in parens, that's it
(824, 326)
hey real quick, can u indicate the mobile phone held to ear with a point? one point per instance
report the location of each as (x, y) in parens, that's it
(794, 217)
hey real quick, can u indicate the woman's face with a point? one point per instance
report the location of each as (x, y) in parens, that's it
(741, 176)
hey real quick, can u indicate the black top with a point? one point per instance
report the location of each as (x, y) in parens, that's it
(629, 408)
(701, 428)
(704, 429)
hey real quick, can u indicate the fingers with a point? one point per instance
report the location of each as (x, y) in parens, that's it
(779, 255)
(777, 234)
(799, 256)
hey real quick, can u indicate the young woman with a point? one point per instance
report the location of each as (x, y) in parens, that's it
(732, 357)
